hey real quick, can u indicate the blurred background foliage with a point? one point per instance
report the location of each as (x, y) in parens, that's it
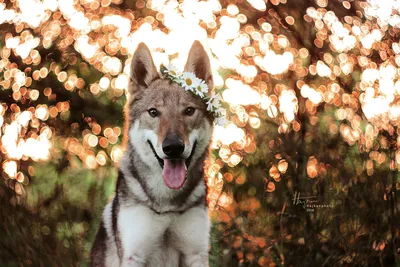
(313, 96)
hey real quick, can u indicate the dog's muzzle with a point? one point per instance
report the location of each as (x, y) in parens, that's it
(173, 169)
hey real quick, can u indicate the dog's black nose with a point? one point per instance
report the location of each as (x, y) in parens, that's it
(173, 146)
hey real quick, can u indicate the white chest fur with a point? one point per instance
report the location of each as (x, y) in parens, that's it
(151, 239)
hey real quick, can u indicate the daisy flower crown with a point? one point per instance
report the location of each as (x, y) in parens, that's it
(199, 88)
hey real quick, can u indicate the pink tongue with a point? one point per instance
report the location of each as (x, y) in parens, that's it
(174, 173)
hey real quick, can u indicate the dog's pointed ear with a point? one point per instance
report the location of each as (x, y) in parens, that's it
(143, 70)
(199, 63)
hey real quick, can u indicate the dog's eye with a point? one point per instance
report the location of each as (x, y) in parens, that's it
(189, 111)
(153, 112)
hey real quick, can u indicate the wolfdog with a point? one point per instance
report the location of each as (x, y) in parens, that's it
(159, 216)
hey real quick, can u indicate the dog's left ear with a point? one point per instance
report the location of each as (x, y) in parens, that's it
(143, 70)
(199, 63)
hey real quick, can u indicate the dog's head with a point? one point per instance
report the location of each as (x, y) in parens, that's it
(169, 127)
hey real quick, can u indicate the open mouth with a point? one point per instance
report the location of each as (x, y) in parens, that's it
(161, 161)
(174, 170)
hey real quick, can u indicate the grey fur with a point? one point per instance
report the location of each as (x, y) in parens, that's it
(137, 186)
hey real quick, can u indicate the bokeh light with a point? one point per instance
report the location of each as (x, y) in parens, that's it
(311, 89)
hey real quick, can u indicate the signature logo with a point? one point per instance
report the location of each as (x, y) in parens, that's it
(308, 202)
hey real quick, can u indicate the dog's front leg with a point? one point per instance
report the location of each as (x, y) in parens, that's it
(141, 231)
(191, 232)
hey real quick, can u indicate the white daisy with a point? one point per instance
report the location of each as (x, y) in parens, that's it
(221, 121)
(210, 107)
(219, 112)
(199, 93)
(202, 87)
(173, 70)
(189, 81)
(214, 103)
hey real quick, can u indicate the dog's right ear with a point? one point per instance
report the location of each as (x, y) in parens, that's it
(143, 70)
